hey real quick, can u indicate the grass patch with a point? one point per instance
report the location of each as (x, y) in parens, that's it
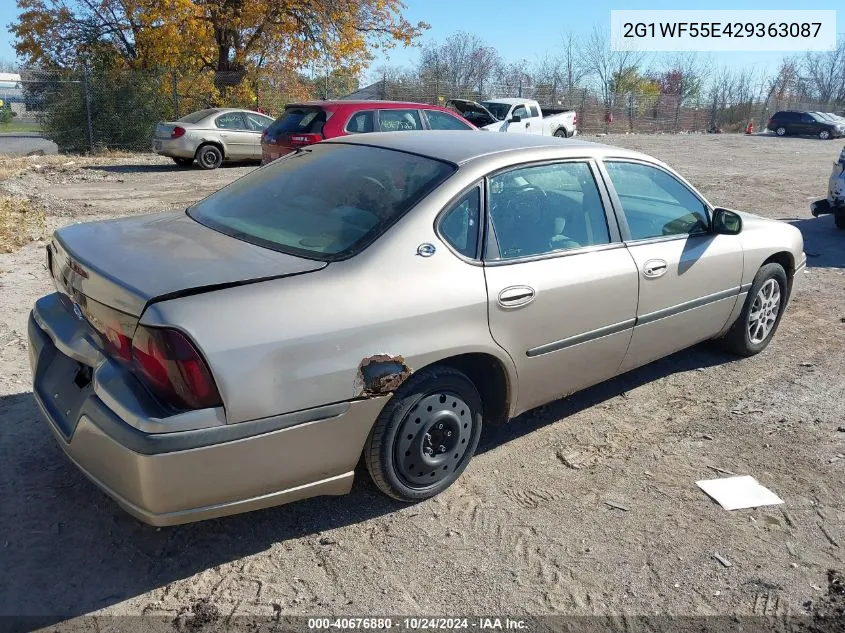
(20, 223)
(19, 126)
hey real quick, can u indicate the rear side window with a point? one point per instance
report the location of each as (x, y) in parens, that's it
(360, 123)
(459, 227)
(438, 120)
(257, 122)
(535, 111)
(399, 120)
(299, 120)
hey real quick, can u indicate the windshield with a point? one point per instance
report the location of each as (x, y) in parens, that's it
(498, 110)
(326, 202)
(196, 117)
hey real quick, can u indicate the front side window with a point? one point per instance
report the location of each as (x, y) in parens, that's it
(655, 203)
(547, 208)
(399, 120)
(459, 226)
(441, 121)
(328, 202)
(230, 121)
(520, 111)
(258, 123)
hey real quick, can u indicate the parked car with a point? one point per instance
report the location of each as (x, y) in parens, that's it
(519, 115)
(303, 124)
(380, 295)
(211, 137)
(787, 123)
(834, 204)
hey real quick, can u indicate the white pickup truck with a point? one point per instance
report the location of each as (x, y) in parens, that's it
(518, 115)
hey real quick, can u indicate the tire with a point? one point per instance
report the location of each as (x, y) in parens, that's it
(780, 131)
(839, 219)
(396, 450)
(183, 162)
(561, 132)
(209, 157)
(825, 135)
(746, 339)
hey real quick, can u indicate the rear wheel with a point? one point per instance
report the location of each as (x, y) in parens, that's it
(780, 131)
(761, 314)
(561, 133)
(839, 219)
(209, 157)
(824, 134)
(183, 162)
(425, 435)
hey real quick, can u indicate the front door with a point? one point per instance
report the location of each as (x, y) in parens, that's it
(238, 138)
(523, 125)
(689, 277)
(562, 288)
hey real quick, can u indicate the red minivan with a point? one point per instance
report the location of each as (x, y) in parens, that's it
(312, 121)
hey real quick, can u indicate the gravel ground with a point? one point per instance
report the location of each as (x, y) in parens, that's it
(527, 529)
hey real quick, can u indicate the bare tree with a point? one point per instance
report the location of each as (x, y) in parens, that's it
(606, 66)
(462, 61)
(684, 79)
(823, 74)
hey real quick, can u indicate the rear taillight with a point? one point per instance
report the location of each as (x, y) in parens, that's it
(173, 369)
(575, 119)
(304, 139)
(177, 132)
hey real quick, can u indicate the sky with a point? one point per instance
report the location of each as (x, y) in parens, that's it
(527, 30)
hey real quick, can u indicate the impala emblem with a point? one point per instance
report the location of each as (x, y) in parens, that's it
(426, 250)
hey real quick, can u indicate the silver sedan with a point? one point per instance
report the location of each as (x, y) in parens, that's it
(379, 296)
(212, 136)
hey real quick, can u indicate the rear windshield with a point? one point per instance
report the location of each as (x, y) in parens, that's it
(196, 117)
(299, 120)
(326, 202)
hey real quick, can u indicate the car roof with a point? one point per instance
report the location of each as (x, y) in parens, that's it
(462, 146)
(510, 100)
(369, 103)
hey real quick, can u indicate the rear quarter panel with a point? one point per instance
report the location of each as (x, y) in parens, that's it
(299, 342)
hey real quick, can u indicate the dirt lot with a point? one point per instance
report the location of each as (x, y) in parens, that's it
(522, 532)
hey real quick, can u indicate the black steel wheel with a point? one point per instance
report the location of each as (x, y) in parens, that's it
(209, 157)
(426, 435)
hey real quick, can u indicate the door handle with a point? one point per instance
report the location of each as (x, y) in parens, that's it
(528, 124)
(655, 268)
(516, 296)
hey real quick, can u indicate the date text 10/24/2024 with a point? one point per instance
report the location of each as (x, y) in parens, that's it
(421, 623)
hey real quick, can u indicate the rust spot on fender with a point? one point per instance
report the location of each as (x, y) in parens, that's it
(382, 374)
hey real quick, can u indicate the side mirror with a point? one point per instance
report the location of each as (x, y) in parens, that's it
(515, 119)
(726, 222)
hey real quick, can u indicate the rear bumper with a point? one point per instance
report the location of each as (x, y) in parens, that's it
(167, 478)
(174, 148)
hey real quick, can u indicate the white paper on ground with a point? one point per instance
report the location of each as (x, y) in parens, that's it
(736, 493)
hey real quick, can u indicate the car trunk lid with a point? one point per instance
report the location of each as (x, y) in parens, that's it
(127, 263)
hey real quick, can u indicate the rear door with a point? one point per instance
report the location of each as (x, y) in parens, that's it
(562, 288)
(399, 120)
(237, 136)
(689, 277)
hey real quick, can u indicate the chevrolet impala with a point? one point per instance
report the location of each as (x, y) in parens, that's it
(380, 296)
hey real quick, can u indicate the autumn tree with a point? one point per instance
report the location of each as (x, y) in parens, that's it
(229, 37)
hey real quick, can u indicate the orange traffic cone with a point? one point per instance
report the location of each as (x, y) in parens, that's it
(750, 128)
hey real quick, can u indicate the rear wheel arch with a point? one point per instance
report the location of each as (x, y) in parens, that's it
(216, 144)
(492, 380)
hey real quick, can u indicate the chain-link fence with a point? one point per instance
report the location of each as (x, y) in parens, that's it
(87, 111)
